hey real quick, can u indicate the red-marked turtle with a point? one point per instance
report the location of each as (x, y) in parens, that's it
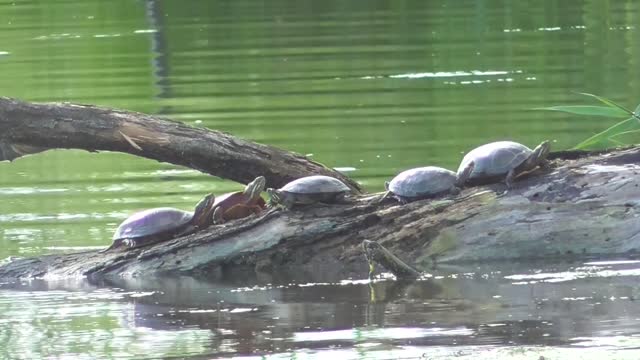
(160, 224)
(424, 182)
(504, 158)
(240, 204)
(309, 190)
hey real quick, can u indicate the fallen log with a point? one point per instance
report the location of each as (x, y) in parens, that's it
(585, 204)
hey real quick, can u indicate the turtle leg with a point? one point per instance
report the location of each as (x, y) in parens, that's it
(387, 194)
(255, 209)
(384, 197)
(544, 164)
(116, 244)
(509, 179)
(218, 216)
(341, 199)
(287, 203)
(278, 199)
(134, 243)
(130, 243)
(273, 198)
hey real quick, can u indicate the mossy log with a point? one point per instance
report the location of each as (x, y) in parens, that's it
(584, 204)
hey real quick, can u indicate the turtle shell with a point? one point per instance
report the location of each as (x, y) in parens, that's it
(423, 181)
(316, 184)
(152, 222)
(496, 158)
(228, 202)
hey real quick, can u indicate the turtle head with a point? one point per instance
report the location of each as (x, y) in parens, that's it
(253, 189)
(202, 213)
(539, 155)
(464, 174)
(545, 148)
(386, 194)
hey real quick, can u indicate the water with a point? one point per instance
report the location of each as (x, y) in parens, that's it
(487, 312)
(376, 86)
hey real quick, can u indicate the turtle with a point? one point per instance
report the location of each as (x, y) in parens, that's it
(160, 224)
(240, 204)
(424, 182)
(309, 190)
(504, 160)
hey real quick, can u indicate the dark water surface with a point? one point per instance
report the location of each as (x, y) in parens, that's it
(376, 86)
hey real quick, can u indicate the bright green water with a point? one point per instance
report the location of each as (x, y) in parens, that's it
(379, 86)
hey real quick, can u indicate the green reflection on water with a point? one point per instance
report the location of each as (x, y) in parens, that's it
(377, 86)
(87, 325)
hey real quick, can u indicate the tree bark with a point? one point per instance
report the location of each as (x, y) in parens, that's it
(27, 128)
(585, 204)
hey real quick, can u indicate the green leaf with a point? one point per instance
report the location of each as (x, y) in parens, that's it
(625, 133)
(626, 137)
(611, 103)
(604, 139)
(619, 143)
(588, 110)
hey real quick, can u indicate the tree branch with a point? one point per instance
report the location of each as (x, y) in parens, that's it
(27, 128)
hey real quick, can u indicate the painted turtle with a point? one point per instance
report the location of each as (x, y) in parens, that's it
(159, 224)
(504, 158)
(424, 182)
(240, 204)
(309, 190)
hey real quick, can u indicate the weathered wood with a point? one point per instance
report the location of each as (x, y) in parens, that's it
(587, 206)
(27, 128)
(378, 254)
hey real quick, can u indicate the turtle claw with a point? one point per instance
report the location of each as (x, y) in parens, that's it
(130, 243)
(275, 205)
(116, 244)
(545, 165)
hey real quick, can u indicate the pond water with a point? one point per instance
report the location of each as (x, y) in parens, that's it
(376, 86)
